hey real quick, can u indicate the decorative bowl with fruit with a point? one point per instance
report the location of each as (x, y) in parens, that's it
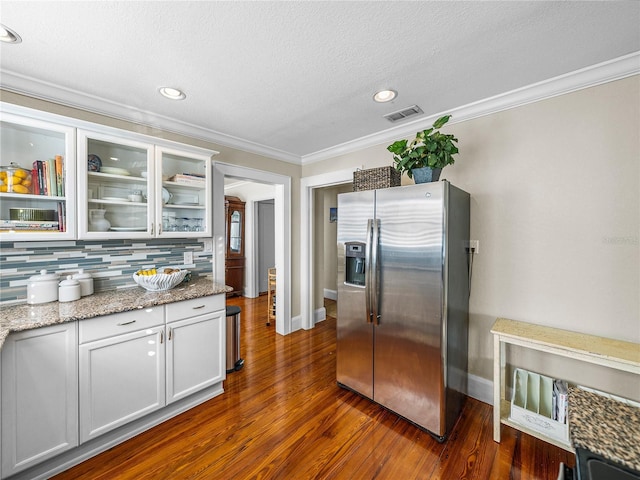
(159, 280)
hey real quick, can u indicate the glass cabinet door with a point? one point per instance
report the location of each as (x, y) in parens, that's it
(37, 179)
(116, 195)
(235, 232)
(183, 191)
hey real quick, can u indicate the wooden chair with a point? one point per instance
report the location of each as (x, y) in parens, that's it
(271, 299)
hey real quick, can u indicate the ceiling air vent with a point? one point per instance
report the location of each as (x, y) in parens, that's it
(404, 113)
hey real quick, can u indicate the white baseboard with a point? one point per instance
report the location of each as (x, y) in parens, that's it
(330, 294)
(319, 315)
(296, 323)
(480, 388)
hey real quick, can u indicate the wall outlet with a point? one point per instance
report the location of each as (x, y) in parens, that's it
(188, 258)
(473, 244)
(208, 245)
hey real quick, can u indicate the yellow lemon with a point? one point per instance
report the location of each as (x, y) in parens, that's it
(20, 189)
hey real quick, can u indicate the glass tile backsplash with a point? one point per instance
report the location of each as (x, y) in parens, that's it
(111, 263)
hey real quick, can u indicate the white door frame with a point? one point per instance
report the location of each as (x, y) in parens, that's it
(282, 214)
(307, 184)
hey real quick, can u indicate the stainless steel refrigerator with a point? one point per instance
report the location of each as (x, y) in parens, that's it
(403, 300)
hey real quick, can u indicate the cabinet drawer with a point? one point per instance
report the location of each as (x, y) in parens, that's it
(195, 306)
(117, 323)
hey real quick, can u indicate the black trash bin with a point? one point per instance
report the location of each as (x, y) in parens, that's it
(234, 362)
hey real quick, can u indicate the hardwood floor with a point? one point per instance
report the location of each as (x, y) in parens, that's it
(284, 417)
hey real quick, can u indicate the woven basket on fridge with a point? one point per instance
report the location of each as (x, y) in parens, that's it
(373, 178)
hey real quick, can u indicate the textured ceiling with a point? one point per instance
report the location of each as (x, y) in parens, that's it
(298, 77)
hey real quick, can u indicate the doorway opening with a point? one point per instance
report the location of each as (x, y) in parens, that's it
(311, 297)
(281, 196)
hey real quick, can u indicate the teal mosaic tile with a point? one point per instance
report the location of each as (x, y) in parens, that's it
(112, 263)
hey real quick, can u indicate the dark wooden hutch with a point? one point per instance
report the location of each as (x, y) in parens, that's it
(234, 259)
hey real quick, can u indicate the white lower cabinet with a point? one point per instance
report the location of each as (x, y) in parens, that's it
(194, 357)
(132, 363)
(122, 360)
(121, 379)
(39, 395)
(65, 385)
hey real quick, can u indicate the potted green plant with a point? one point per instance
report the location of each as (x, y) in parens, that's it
(424, 158)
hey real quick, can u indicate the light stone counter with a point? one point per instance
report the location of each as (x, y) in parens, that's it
(25, 317)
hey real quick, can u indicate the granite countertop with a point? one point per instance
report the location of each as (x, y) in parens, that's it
(25, 317)
(605, 426)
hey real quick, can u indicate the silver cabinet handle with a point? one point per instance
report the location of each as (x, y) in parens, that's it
(169, 336)
(152, 225)
(198, 307)
(161, 336)
(126, 323)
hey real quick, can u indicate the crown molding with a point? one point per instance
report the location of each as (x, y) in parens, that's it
(32, 87)
(604, 72)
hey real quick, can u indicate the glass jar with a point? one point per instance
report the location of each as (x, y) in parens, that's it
(15, 179)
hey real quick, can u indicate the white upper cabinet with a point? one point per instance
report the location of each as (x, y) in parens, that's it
(116, 193)
(37, 178)
(183, 192)
(132, 188)
(128, 185)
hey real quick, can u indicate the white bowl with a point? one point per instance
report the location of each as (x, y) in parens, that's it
(160, 281)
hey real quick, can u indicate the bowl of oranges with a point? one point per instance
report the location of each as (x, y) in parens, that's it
(15, 179)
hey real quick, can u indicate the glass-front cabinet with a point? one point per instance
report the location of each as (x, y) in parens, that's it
(37, 179)
(132, 189)
(183, 183)
(116, 193)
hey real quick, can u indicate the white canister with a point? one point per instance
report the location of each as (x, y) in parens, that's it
(42, 288)
(86, 282)
(69, 290)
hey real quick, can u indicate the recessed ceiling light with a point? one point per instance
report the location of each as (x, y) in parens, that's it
(385, 96)
(172, 93)
(9, 36)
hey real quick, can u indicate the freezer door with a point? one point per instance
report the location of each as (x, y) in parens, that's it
(354, 361)
(408, 355)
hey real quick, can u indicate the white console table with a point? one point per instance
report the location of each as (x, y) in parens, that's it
(610, 353)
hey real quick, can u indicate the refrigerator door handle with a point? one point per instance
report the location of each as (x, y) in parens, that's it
(367, 269)
(375, 272)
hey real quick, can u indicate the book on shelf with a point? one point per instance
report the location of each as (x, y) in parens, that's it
(62, 216)
(29, 225)
(188, 179)
(51, 177)
(59, 175)
(39, 176)
(35, 184)
(48, 177)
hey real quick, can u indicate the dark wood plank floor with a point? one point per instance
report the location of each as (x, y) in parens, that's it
(284, 417)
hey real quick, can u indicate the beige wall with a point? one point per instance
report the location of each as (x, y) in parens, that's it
(325, 234)
(555, 205)
(330, 265)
